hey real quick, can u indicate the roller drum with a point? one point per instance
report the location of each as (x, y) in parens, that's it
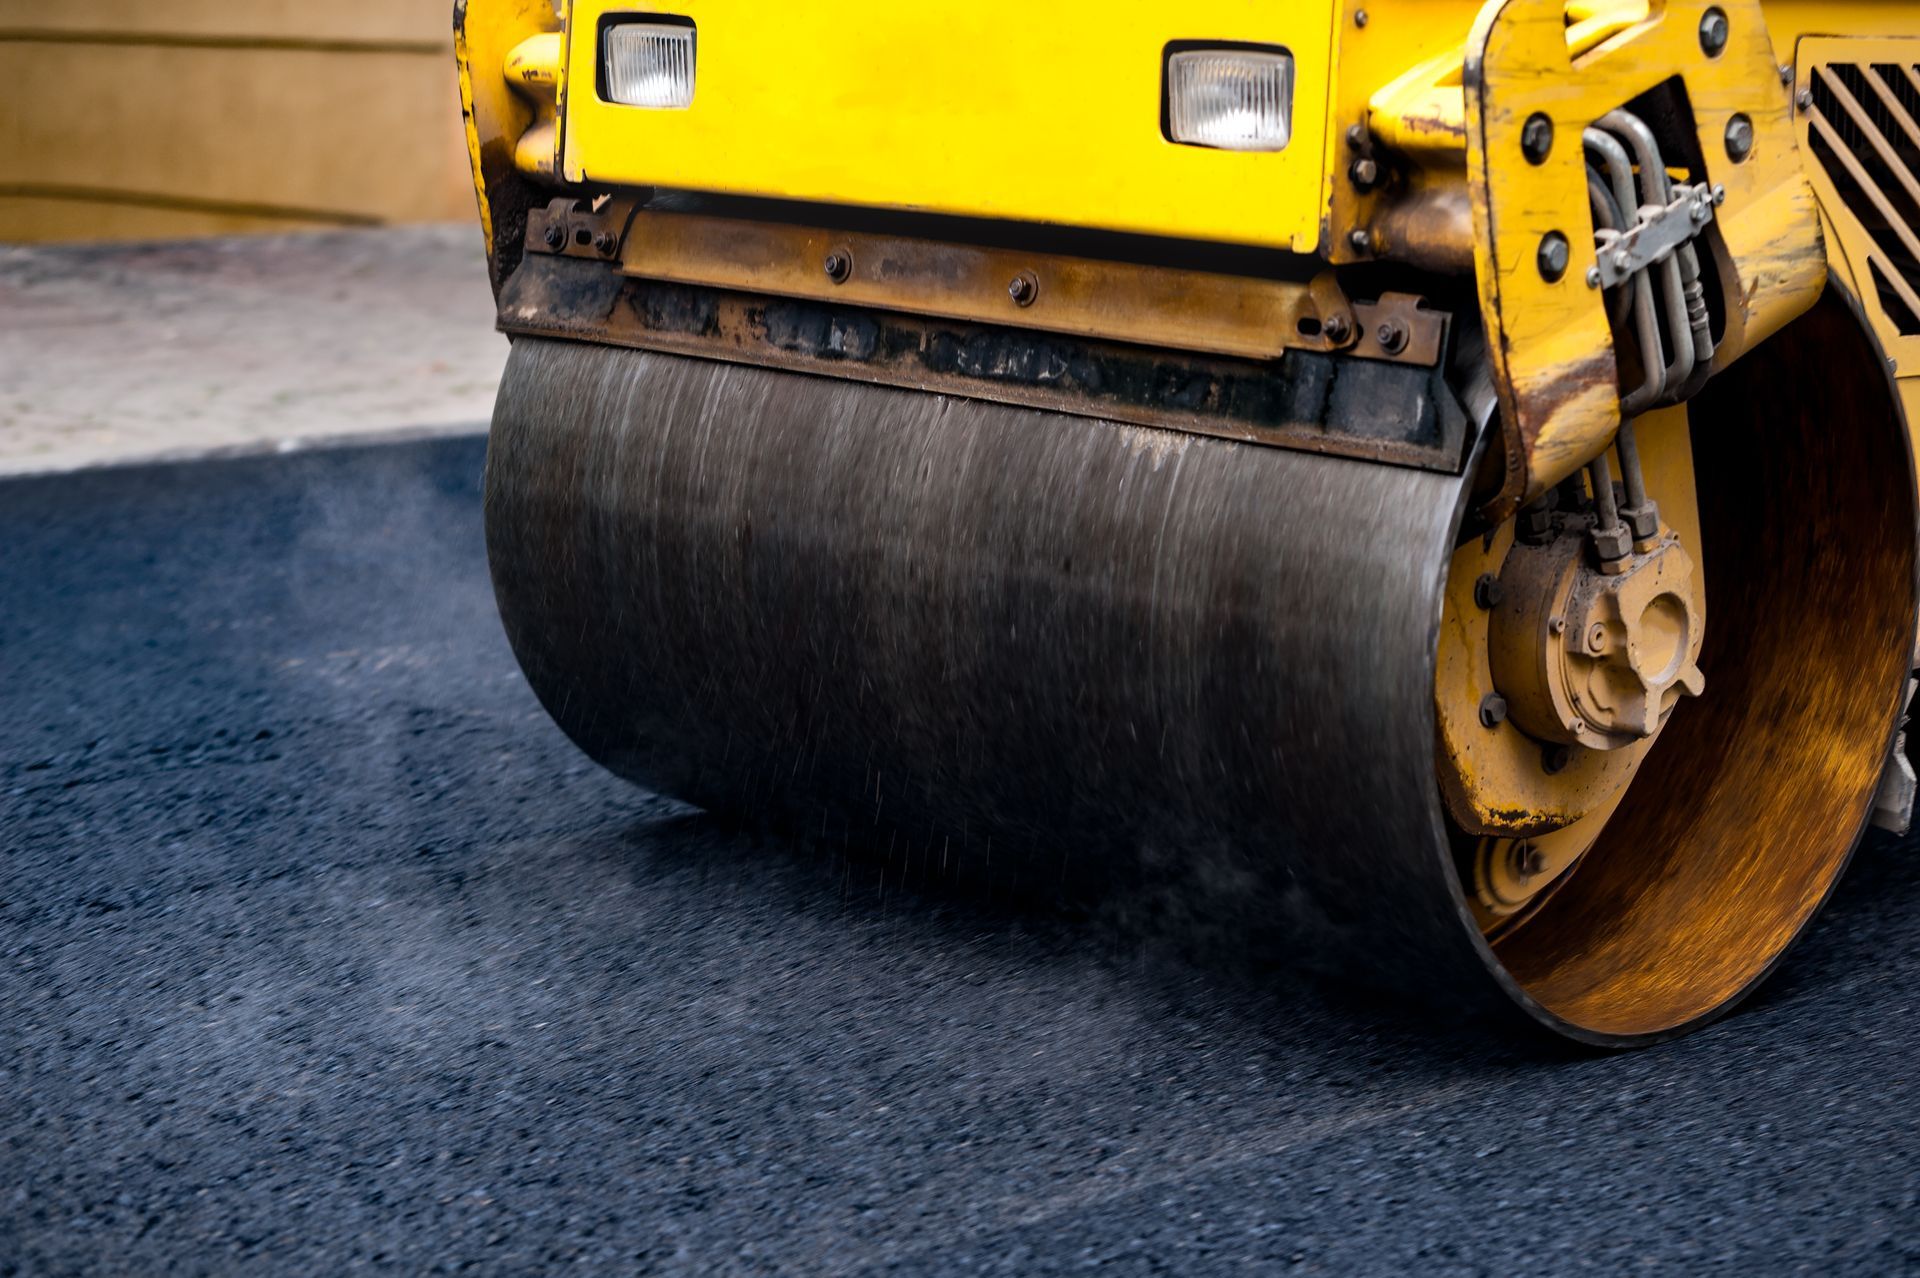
(1003, 634)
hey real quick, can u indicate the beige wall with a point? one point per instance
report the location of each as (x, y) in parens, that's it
(149, 118)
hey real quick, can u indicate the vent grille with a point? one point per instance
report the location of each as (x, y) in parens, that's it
(1864, 129)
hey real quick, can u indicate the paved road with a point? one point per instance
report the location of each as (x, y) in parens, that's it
(320, 950)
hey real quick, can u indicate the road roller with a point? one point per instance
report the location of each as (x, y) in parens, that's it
(1448, 463)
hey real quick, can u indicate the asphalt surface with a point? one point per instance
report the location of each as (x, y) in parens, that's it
(322, 951)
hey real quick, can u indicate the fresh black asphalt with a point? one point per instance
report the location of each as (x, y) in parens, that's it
(322, 951)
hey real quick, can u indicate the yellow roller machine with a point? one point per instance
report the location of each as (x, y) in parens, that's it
(1445, 464)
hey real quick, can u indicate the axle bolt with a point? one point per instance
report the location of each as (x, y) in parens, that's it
(1392, 336)
(556, 235)
(1493, 710)
(1023, 289)
(839, 266)
(1739, 138)
(1713, 32)
(1555, 254)
(1488, 592)
(1536, 138)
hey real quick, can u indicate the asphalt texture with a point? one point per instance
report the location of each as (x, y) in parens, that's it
(322, 951)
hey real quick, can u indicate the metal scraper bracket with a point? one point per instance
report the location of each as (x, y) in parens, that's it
(1372, 401)
(1659, 231)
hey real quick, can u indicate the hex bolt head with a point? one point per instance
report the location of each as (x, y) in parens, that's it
(1493, 710)
(1361, 239)
(1392, 336)
(1739, 137)
(1536, 138)
(1023, 289)
(604, 243)
(1359, 17)
(1488, 592)
(1554, 257)
(1713, 32)
(556, 235)
(1364, 173)
(838, 267)
(1337, 328)
(1805, 100)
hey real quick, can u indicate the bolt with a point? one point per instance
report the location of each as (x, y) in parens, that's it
(839, 266)
(1359, 17)
(1487, 591)
(1719, 194)
(1361, 239)
(1536, 138)
(1805, 100)
(1392, 336)
(1554, 256)
(605, 243)
(556, 235)
(1356, 136)
(1493, 710)
(1023, 289)
(1622, 260)
(1713, 32)
(1597, 638)
(1593, 277)
(1364, 173)
(1336, 328)
(1786, 73)
(1739, 138)
(1556, 625)
(1555, 758)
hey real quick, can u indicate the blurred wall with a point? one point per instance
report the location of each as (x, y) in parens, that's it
(150, 118)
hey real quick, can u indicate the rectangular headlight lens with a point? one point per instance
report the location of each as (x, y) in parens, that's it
(648, 64)
(1233, 99)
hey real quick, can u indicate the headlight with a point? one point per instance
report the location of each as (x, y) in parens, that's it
(1234, 99)
(647, 64)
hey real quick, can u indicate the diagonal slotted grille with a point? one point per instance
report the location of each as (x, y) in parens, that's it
(1865, 131)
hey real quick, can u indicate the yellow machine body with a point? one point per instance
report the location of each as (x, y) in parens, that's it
(982, 201)
(982, 111)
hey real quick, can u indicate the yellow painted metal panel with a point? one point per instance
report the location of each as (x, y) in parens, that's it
(999, 108)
